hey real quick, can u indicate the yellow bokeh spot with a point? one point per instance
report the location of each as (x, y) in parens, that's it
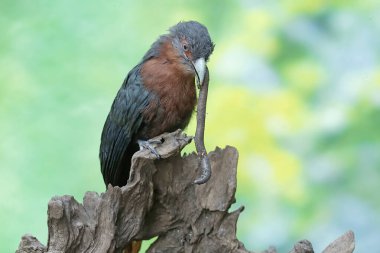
(301, 6)
(257, 33)
(304, 76)
(238, 117)
(287, 174)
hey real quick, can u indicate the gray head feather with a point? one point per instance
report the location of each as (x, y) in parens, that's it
(197, 37)
(195, 34)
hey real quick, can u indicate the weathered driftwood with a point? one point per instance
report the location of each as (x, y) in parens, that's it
(161, 200)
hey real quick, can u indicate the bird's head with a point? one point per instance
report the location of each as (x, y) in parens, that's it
(193, 43)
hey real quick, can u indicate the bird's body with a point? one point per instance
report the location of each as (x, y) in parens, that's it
(175, 95)
(157, 96)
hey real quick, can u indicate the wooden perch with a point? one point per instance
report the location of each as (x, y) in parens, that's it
(161, 200)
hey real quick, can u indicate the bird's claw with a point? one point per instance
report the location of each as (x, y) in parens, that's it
(149, 145)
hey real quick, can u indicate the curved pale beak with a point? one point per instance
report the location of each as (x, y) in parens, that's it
(200, 70)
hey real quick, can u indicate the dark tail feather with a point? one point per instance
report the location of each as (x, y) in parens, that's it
(121, 177)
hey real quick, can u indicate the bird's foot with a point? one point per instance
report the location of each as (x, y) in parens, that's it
(150, 145)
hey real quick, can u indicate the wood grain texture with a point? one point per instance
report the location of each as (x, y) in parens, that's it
(161, 200)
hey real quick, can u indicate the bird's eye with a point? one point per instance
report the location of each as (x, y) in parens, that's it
(185, 47)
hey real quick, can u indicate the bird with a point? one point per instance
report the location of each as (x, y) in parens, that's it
(158, 95)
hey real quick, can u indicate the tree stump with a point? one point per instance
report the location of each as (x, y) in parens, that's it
(160, 199)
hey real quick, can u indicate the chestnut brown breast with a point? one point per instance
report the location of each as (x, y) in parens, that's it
(174, 90)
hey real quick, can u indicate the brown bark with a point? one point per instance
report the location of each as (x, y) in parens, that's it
(161, 200)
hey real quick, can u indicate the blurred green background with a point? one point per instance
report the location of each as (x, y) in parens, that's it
(295, 86)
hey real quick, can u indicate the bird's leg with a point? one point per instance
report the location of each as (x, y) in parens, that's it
(149, 144)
